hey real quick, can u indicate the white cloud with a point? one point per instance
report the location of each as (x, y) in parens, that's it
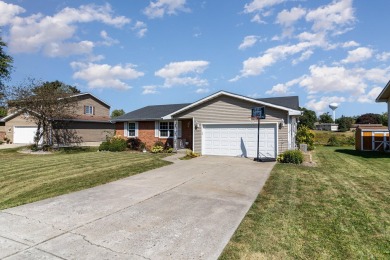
(305, 56)
(384, 56)
(288, 18)
(202, 90)
(257, 19)
(350, 44)
(51, 34)
(104, 75)
(255, 65)
(282, 89)
(370, 96)
(108, 41)
(8, 12)
(260, 5)
(326, 79)
(248, 41)
(359, 54)
(175, 73)
(323, 103)
(159, 8)
(140, 28)
(333, 16)
(147, 90)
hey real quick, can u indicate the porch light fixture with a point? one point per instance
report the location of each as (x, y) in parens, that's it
(197, 125)
(281, 124)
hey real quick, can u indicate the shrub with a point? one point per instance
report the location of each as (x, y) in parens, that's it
(333, 141)
(117, 145)
(291, 156)
(104, 146)
(157, 149)
(134, 143)
(114, 144)
(305, 136)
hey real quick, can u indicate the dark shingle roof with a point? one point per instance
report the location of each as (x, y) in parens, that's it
(151, 112)
(157, 112)
(289, 102)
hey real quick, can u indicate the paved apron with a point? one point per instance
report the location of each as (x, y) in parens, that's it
(187, 210)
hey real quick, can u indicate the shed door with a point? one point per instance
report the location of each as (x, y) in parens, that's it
(24, 134)
(239, 140)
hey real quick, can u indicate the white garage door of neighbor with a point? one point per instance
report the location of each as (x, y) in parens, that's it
(24, 134)
(239, 140)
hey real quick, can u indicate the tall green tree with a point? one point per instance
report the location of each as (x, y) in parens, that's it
(5, 71)
(385, 119)
(325, 118)
(369, 118)
(117, 112)
(345, 123)
(308, 118)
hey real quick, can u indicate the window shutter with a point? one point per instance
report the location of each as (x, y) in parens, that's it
(156, 128)
(84, 109)
(126, 129)
(136, 129)
(179, 129)
(93, 110)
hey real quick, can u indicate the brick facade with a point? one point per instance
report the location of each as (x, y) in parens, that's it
(146, 133)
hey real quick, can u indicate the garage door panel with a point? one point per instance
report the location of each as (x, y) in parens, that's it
(239, 140)
(24, 134)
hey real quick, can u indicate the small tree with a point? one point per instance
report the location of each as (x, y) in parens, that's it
(385, 119)
(345, 123)
(325, 118)
(117, 112)
(305, 136)
(308, 118)
(50, 106)
(369, 118)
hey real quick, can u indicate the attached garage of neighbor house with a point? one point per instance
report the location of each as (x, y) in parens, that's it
(239, 140)
(24, 134)
(372, 139)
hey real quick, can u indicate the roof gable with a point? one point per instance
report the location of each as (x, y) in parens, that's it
(385, 94)
(221, 93)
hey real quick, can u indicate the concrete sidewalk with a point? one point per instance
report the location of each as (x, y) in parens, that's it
(186, 210)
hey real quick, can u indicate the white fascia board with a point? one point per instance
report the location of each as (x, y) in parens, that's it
(220, 93)
(384, 95)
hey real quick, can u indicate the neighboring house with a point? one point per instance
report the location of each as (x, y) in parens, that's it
(91, 122)
(327, 127)
(219, 124)
(384, 96)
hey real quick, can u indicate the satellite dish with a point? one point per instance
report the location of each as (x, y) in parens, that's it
(334, 106)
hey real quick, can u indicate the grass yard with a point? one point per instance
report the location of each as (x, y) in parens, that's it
(27, 178)
(338, 210)
(322, 137)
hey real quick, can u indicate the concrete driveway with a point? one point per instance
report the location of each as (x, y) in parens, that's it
(187, 210)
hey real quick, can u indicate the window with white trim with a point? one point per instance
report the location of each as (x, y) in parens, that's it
(88, 110)
(167, 129)
(131, 129)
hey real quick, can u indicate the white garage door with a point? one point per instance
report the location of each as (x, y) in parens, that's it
(24, 134)
(239, 140)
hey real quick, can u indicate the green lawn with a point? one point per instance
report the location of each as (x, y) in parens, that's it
(27, 178)
(338, 210)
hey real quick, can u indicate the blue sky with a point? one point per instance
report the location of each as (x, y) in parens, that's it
(137, 53)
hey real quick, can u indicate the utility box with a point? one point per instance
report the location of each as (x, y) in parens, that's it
(372, 139)
(303, 148)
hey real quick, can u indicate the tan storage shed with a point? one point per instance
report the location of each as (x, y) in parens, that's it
(372, 138)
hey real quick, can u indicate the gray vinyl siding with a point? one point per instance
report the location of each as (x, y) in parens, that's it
(226, 109)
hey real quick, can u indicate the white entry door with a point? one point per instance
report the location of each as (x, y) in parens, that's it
(24, 134)
(239, 140)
